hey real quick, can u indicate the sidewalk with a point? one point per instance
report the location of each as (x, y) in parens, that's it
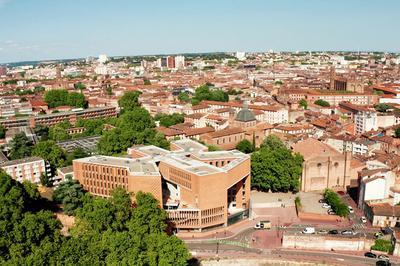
(218, 233)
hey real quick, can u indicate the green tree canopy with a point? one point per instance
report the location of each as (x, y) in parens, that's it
(397, 132)
(205, 92)
(2, 132)
(20, 146)
(274, 167)
(50, 152)
(169, 120)
(382, 107)
(245, 146)
(303, 103)
(322, 103)
(61, 97)
(129, 101)
(70, 194)
(184, 97)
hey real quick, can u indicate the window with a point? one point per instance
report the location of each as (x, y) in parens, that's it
(319, 165)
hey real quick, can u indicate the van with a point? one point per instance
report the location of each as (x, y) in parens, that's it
(263, 225)
(308, 230)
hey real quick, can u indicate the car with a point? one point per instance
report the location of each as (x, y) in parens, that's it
(333, 232)
(370, 255)
(322, 232)
(350, 209)
(363, 219)
(330, 212)
(348, 233)
(383, 263)
(322, 201)
(378, 234)
(308, 230)
(326, 206)
(383, 257)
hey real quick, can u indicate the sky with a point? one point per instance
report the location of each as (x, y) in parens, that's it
(61, 29)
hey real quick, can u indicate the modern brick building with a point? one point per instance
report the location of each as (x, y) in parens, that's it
(198, 189)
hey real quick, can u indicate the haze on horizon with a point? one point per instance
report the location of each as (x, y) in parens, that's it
(46, 30)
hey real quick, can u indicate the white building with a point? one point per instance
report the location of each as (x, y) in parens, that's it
(365, 121)
(240, 55)
(103, 58)
(29, 169)
(179, 62)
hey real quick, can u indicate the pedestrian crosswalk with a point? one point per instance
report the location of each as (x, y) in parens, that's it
(358, 226)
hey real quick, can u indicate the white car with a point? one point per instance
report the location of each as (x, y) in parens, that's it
(308, 230)
(326, 206)
(363, 219)
(350, 209)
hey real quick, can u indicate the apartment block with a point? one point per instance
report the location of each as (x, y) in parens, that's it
(197, 188)
(27, 169)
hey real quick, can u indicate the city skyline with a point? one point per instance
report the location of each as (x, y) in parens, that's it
(64, 30)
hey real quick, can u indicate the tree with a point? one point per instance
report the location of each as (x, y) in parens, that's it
(20, 146)
(77, 100)
(129, 101)
(70, 194)
(245, 146)
(169, 120)
(274, 167)
(146, 82)
(397, 132)
(45, 180)
(42, 132)
(303, 103)
(56, 98)
(79, 86)
(338, 206)
(50, 152)
(77, 153)
(213, 148)
(322, 103)
(382, 107)
(2, 132)
(184, 97)
(205, 93)
(58, 133)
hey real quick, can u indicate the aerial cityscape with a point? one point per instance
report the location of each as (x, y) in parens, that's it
(199, 132)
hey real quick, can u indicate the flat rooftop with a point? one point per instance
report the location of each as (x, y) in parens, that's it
(189, 145)
(134, 166)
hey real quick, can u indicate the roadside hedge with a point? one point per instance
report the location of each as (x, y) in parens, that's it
(338, 206)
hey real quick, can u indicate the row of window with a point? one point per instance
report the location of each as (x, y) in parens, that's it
(223, 139)
(104, 177)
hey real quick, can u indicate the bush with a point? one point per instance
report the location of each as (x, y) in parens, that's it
(322, 103)
(383, 245)
(336, 203)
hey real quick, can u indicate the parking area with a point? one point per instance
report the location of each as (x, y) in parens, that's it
(269, 199)
(310, 204)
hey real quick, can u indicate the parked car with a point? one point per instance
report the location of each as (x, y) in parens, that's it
(378, 234)
(322, 201)
(326, 206)
(263, 225)
(333, 232)
(363, 219)
(322, 232)
(370, 255)
(330, 212)
(309, 230)
(351, 209)
(348, 233)
(383, 263)
(383, 257)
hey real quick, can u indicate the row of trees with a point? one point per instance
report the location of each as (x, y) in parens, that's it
(61, 97)
(338, 206)
(107, 231)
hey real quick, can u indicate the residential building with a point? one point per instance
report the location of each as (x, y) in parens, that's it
(27, 169)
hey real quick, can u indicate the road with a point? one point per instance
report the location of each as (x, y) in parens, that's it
(229, 252)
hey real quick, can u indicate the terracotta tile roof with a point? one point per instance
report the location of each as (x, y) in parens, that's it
(226, 132)
(311, 148)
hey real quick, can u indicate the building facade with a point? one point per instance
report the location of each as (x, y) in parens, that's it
(198, 189)
(27, 169)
